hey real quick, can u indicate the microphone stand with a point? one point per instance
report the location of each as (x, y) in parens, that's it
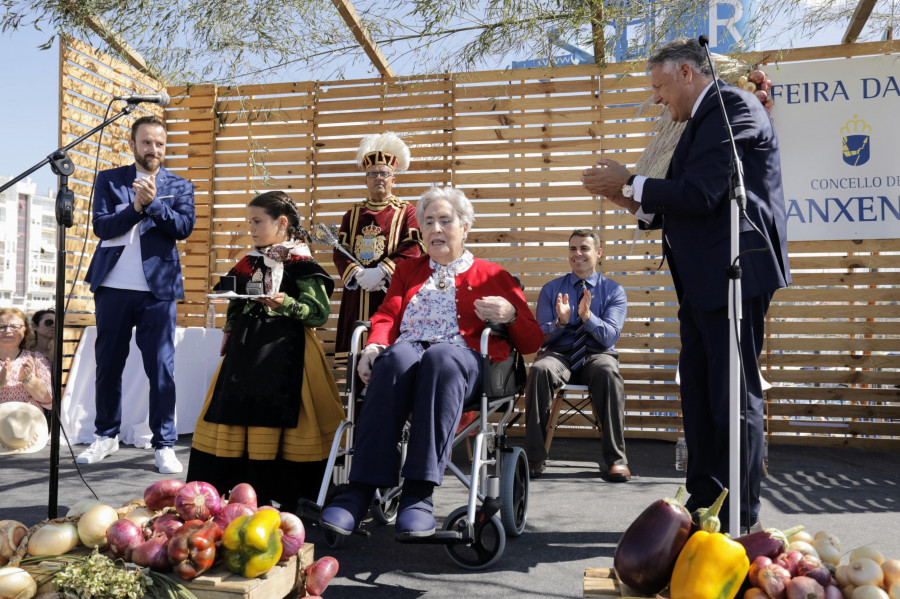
(62, 166)
(738, 204)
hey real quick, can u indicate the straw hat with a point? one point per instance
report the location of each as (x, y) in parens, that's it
(23, 428)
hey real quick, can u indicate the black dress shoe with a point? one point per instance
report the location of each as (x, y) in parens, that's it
(536, 469)
(617, 473)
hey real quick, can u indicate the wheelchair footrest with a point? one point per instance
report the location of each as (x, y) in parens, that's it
(440, 537)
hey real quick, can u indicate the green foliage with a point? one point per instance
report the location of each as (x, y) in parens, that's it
(243, 41)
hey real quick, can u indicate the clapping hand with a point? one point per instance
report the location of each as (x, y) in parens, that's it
(584, 308)
(563, 309)
(144, 192)
(5, 366)
(27, 370)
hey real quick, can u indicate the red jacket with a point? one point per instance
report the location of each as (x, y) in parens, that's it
(481, 280)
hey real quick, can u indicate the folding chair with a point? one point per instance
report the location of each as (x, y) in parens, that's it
(570, 409)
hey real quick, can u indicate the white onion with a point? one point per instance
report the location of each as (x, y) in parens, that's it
(11, 533)
(81, 507)
(16, 583)
(140, 516)
(55, 538)
(93, 524)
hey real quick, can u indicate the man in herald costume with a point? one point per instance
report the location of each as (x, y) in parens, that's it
(378, 232)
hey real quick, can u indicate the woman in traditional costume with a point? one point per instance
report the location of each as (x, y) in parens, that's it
(272, 410)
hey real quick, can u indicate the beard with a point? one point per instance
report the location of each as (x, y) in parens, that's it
(148, 163)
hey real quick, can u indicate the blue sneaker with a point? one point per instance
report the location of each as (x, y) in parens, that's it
(415, 517)
(344, 514)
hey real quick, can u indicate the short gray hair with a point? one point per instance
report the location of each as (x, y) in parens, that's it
(682, 50)
(461, 204)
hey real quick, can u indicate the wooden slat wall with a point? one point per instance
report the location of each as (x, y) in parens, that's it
(517, 146)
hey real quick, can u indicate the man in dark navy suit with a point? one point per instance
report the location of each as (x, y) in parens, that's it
(692, 206)
(140, 211)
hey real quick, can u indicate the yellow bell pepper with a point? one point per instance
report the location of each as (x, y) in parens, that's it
(252, 543)
(710, 566)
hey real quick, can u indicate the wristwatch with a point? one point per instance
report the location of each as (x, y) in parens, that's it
(627, 189)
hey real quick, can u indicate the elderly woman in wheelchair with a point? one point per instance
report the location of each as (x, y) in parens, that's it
(422, 362)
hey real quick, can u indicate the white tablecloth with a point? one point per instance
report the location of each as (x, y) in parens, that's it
(196, 360)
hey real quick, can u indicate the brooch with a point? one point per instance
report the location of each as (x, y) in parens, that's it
(442, 284)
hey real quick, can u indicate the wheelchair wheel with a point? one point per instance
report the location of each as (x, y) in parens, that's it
(385, 510)
(514, 481)
(486, 549)
(333, 539)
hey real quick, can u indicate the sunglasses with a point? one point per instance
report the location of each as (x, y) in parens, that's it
(49, 323)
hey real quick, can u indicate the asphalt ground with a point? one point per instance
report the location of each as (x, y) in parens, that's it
(575, 518)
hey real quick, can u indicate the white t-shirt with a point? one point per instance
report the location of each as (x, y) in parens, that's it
(128, 273)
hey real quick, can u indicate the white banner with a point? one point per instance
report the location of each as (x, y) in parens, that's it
(838, 122)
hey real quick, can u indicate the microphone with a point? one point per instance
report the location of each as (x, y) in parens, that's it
(704, 40)
(161, 98)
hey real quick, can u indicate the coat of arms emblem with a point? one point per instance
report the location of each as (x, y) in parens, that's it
(370, 246)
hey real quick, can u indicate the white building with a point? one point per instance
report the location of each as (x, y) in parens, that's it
(27, 247)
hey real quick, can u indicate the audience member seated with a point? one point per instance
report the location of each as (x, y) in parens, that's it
(270, 415)
(582, 315)
(24, 375)
(44, 324)
(422, 362)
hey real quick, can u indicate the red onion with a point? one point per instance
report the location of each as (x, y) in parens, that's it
(230, 512)
(123, 536)
(153, 553)
(198, 501)
(243, 493)
(319, 574)
(789, 560)
(292, 534)
(803, 587)
(161, 494)
(167, 524)
(812, 567)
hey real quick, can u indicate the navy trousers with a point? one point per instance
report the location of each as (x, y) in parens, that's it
(118, 310)
(704, 371)
(432, 392)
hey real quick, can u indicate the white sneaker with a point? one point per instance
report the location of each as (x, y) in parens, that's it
(99, 449)
(167, 462)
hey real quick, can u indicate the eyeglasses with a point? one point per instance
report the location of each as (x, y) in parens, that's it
(11, 327)
(379, 175)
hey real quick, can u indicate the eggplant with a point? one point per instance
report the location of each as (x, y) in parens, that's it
(770, 542)
(646, 553)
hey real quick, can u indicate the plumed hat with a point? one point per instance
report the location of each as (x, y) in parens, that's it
(23, 428)
(384, 148)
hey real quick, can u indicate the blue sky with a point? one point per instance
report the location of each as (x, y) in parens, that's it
(30, 96)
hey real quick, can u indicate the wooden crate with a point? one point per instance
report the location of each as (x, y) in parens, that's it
(286, 579)
(602, 582)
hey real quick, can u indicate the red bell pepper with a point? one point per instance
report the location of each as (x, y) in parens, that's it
(192, 548)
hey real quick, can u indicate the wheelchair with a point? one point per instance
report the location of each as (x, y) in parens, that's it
(473, 535)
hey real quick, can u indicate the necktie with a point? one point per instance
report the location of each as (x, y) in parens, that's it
(579, 348)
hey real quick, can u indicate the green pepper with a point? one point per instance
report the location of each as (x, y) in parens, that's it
(252, 543)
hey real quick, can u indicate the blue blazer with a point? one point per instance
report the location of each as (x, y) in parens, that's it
(168, 218)
(692, 204)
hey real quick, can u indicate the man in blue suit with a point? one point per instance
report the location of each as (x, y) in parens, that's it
(140, 211)
(692, 206)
